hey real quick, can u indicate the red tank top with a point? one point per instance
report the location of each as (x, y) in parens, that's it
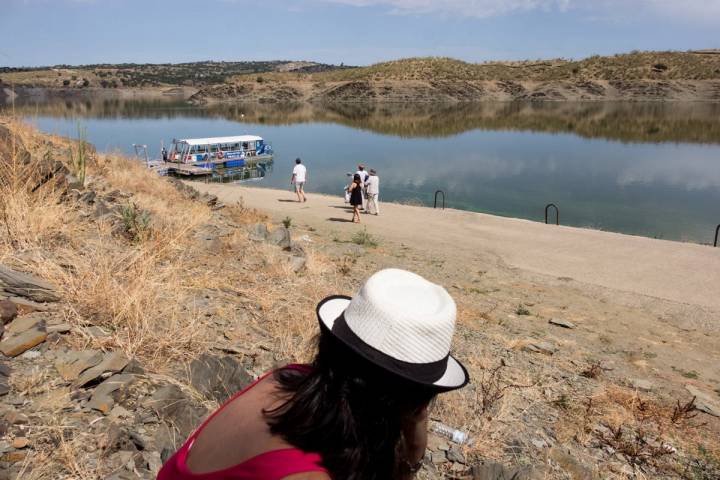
(272, 465)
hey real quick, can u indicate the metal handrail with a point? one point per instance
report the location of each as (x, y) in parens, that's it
(557, 213)
(443, 199)
(717, 230)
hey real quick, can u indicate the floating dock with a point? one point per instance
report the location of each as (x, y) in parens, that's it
(216, 173)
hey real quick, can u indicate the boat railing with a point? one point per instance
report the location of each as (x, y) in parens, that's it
(436, 199)
(141, 152)
(557, 213)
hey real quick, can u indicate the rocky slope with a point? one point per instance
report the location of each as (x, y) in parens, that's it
(647, 76)
(451, 91)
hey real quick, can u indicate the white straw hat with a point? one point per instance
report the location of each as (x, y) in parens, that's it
(402, 323)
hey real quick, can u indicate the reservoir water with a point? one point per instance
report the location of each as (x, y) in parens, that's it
(643, 169)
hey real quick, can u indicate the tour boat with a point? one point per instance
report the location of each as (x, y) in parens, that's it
(218, 153)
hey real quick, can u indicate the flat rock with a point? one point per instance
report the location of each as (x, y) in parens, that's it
(8, 311)
(28, 286)
(31, 355)
(14, 457)
(438, 458)
(642, 384)
(59, 328)
(17, 344)
(112, 362)
(73, 363)
(570, 464)
(4, 387)
(20, 442)
(280, 237)
(561, 323)
(14, 417)
(545, 348)
(97, 332)
(455, 455)
(180, 416)
(498, 471)
(297, 263)
(259, 232)
(5, 370)
(26, 322)
(704, 401)
(27, 306)
(102, 399)
(218, 377)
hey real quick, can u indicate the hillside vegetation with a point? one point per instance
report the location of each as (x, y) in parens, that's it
(678, 76)
(632, 66)
(132, 75)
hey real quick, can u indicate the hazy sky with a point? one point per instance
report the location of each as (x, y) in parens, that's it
(47, 32)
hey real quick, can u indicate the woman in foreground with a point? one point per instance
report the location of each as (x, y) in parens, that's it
(358, 412)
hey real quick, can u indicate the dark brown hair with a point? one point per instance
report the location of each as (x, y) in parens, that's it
(346, 409)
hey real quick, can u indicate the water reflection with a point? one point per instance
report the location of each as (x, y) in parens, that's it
(690, 122)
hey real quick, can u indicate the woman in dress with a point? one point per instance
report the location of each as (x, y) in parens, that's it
(357, 412)
(356, 199)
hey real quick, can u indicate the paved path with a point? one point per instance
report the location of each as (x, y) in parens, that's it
(681, 272)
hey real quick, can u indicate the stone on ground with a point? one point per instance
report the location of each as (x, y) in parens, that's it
(27, 306)
(561, 323)
(28, 286)
(26, 322)
(218, 377)
(179, 414)
(8, 311)
(704, 402)
(280, 237)
(102, 398)
(545, 348)
(259, 232)
(17, 344)
(112, 362)
(498, 471)
(73, 363)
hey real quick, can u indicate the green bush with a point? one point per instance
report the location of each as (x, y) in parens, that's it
(365, 238)
(78, 157)
(136, 222)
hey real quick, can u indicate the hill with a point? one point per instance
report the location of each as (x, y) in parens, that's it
(657, 76)
(132, 75)
(634, 76)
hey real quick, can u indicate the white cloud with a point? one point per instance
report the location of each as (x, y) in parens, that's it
(468, 8)
(706, 10)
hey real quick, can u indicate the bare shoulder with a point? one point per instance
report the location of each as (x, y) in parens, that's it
(308, 476)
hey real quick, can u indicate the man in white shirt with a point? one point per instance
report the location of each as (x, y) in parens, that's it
(373, 191)
(363, 179)
(363, 174)
(298, 178)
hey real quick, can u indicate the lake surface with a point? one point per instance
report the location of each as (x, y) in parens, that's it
(644, 169)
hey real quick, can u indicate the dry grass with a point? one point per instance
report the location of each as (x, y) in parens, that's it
(638, 429)
(134, 290)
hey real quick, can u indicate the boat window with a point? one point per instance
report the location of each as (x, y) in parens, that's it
(214, 148)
